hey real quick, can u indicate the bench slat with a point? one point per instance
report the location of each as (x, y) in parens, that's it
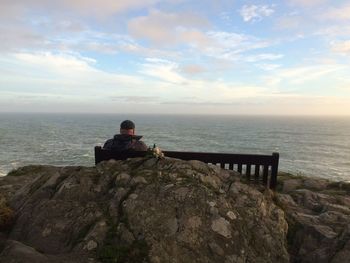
(230, 166)
(257, 171)
(248, 171)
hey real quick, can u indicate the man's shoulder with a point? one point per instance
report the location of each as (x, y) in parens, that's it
(108, 144)
(139, 146)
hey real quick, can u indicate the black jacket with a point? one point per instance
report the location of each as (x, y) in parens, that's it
(124, 143)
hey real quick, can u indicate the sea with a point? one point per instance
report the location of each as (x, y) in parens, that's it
(310, 146)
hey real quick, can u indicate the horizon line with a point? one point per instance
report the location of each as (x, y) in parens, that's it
(179, 114)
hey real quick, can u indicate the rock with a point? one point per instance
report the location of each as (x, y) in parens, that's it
(216, 249)
(173, 226)
(292, 184)
(141, 210)
(19, 253)
(180, 193)
(231, 215)
(318, 222)
(138, 180)
(222, 227)
(315, 184)
(91, 245)
(211, 180)
(343, 255)
(133, 196)
(122, 179)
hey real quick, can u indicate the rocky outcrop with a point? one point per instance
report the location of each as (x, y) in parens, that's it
(140, 210)
(318, 215)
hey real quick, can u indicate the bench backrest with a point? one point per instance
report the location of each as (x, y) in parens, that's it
(255, 167)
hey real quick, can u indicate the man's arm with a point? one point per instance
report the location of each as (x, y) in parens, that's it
(140, 146)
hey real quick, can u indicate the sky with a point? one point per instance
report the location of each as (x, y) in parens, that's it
(288, 57)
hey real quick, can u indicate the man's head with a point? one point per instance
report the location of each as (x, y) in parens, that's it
(127, 127)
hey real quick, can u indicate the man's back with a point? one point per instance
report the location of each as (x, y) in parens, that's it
(125, 142)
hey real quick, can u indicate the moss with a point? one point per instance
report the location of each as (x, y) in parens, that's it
(137, 252)
(342, 186)
(115, 251)
(6, 216)
(334, 192)
(278, 203)
(30, 169)
(83, 233)
(293, 228)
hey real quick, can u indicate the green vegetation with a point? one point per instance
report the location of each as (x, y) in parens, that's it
(137, 252)
(114, 250)
(30, 169)
(6, 215)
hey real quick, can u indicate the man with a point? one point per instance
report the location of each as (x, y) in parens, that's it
(126, 140)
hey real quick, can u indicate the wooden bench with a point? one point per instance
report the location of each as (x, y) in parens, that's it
(256, 167)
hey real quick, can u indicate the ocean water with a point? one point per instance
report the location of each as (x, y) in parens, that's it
(312, 146)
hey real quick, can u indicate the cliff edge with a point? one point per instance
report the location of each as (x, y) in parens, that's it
(149, 210)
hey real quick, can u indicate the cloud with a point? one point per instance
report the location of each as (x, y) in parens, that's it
(70, 82)
(62, 73)
(162, 69)
(106, 7)
(57, 63)
(297, 77)
(136, 99)
(340, 13)
(308, 3)
(289, 22)
(193, 69)
(161, 28)
(240, 42)
(251, 13)
(266, 56)
(268, 66)
(231, 46)
(98, 8)
(334, 30)
(16, 37)
(341, 47)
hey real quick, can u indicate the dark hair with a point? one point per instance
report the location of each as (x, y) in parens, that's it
(127, 125)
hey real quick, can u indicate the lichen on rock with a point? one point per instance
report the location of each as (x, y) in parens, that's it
(142, 210)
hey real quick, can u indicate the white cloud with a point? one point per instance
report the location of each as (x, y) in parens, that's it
(70, 76)
(58, 63)
(334, 30)
(69, 82)
(162, 69)
(193, 69)
(308, 3)
(15, 36)
(342, 47)
(338, 13)
(231, 46)
(297, 77)
(251, 13)
(161, 28)
(62, 73)
(265, 56)
(268, 66)
(290, 22)
(98, 8)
